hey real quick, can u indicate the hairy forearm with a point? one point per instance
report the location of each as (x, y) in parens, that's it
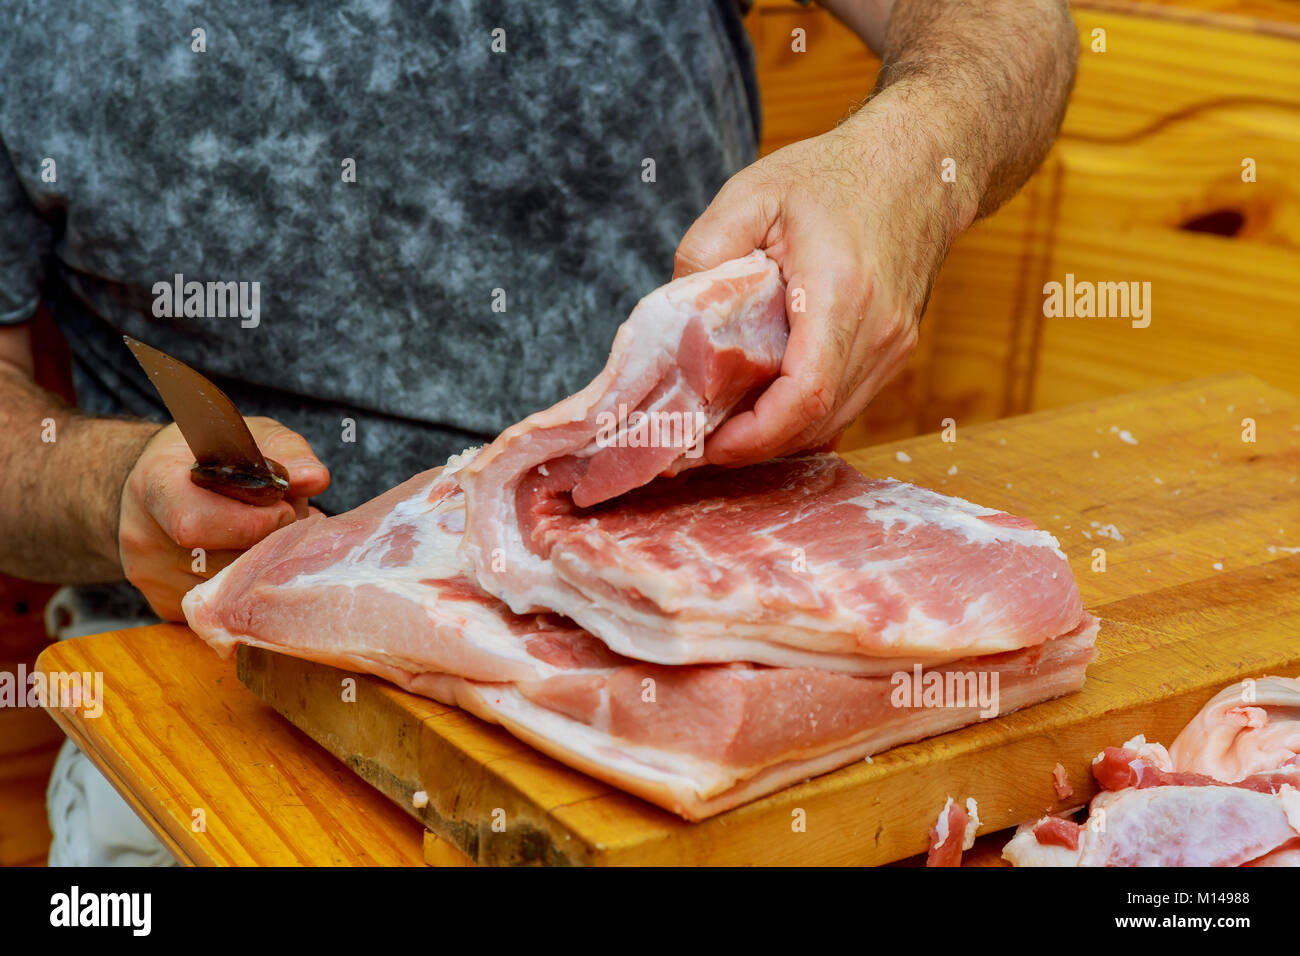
(59, 499)
(993, 78)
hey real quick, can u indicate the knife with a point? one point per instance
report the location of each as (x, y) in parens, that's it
(227, 459)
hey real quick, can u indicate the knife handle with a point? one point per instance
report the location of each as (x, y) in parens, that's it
(242, 486)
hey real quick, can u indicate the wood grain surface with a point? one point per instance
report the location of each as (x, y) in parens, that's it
(1144, 184)
(179, 734)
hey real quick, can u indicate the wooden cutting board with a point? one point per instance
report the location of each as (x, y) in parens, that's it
(220, 778)
(1201, 587)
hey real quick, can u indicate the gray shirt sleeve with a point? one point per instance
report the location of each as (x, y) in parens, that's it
(25, 243)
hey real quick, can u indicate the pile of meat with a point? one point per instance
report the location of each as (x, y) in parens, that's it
(696, 636)
(1227, 793)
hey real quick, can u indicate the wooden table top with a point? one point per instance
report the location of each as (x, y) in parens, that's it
(191, 737)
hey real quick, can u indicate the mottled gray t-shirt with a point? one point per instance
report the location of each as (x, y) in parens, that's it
(447, 208)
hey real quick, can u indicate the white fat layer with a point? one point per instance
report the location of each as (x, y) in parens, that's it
(679, 771)
(434, 551)
(831, 629)
(973, 823)
(1024, 850)
(910, 506)
(941, 825)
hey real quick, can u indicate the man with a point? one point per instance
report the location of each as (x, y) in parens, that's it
(409, 228)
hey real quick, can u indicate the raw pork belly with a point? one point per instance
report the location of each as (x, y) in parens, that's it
(803, 562)
(380, 589)
(1227, 793)
(799, 562)
(783, 597)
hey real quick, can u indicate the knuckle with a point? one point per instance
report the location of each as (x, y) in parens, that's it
(911, 338)
(738, 181)
(885, 334)
(684, 259)
(273, 431)
(849, 294)
(185, 530)
(139, 571)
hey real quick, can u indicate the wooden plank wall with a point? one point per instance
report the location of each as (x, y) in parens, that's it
(1144, 184)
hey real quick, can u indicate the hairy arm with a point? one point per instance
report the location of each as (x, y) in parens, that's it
(861, 217)
(59, 500)
(109, 499)
(998, 73)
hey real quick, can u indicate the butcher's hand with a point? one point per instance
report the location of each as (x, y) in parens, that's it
(860, 219)
(859, 223)
(164, 516)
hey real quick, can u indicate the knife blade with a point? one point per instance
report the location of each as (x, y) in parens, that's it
(227, 459)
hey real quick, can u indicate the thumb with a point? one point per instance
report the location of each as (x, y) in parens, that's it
(736, 223)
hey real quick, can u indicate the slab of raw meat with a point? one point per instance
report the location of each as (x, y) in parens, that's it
(1172, 826)
(1246, 728)
(728, 734)
(800, 562)
(1227, 793)
(381, 590)
(837, 580)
